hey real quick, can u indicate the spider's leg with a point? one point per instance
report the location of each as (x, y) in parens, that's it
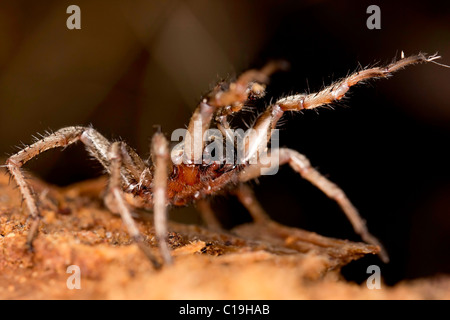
(302, 165)
(161, 162)
(115, 201)
(259, 137)
(132, 165)
(249, 83)
(247, 197)
(267, 121)
(95, 143)
(336, 91)
(208, 215)
(224, 102)
(60, 138)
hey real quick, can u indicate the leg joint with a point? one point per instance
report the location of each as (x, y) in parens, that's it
(11, 163)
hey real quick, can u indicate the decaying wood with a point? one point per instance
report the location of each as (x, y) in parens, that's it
(253, 261)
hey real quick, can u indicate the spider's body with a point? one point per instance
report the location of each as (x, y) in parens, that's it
(188, 183)
(165, 182)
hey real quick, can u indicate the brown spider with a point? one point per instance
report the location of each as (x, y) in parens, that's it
(136, 183)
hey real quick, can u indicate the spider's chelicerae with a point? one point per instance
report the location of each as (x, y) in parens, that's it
(162, 182)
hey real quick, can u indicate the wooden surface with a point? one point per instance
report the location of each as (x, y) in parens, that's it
(249, 262)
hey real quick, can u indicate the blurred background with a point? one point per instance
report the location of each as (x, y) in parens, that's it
(136, 64)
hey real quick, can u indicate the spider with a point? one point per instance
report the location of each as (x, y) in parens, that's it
(161, 182)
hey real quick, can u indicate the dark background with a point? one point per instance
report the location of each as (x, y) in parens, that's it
(137, 64)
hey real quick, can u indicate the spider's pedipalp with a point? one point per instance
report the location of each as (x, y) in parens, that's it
(223, 103)
(240, 90)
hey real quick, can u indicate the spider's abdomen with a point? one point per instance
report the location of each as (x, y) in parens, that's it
(188, 183)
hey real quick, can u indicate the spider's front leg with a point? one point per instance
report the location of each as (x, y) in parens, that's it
(268, 120)
(221, 103)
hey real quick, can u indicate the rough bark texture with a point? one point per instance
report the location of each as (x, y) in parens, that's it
(249, 262)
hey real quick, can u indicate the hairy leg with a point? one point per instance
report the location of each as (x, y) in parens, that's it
(95, 143)
(161, 161)
(337, 90)
(268, 120)
(302, 165)
(220, 103)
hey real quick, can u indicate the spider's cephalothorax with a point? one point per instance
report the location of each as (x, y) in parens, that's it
(186, 184)
(134, 183)
(192, 182)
